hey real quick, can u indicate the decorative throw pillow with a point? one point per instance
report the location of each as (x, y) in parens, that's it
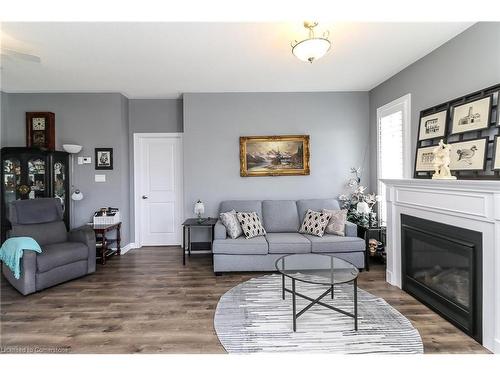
(250, 224)
(336, 225)
(230, 221)
(315, 223)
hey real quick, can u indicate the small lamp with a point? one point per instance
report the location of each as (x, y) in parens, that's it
(199, 209)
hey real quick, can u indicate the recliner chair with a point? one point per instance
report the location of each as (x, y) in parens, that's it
(65, 255)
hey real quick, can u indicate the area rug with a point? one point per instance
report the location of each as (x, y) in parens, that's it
(253, 318)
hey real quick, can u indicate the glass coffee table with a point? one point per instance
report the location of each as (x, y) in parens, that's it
(319, 269)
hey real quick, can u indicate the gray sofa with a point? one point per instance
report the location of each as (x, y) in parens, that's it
(64, 255)
(282, 220)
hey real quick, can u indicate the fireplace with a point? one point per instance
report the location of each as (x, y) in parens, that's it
(442, 267)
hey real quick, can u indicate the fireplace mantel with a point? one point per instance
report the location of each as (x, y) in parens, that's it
(470, 204)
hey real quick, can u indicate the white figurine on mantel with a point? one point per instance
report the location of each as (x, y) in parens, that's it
(441, 162)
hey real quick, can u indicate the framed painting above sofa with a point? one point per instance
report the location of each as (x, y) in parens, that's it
(281, 155)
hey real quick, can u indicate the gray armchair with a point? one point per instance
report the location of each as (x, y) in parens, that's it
(64, 255)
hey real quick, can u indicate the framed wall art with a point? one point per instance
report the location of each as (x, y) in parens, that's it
(471, 116)
(424, 159)
(103, 158)
(433, 126)
(495, 163)
(469, 155)
(282, 155)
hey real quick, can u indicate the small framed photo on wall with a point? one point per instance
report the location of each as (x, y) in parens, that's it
(104, 158)
(469, 155)
(433, 126)
(471, 116)
(495, 164)
(424, 159)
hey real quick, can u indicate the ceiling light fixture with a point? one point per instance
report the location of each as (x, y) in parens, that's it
(312, 48)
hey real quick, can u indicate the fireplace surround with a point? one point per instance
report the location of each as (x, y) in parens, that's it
(464, 204)
(442, 267)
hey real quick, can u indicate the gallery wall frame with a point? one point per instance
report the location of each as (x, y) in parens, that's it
(480, 153)
(433, 125)
(496, 153)
(423, 165)
(486, 111)
(489, 131)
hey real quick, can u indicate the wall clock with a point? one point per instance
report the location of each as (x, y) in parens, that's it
(40, 130)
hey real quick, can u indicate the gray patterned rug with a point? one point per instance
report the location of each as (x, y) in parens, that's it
(252, 317)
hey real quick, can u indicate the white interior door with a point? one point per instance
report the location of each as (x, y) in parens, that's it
(158, 174)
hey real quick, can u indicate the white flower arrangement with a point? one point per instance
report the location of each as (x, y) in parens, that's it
(359, 204)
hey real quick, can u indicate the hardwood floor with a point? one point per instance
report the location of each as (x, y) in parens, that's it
(146, 301)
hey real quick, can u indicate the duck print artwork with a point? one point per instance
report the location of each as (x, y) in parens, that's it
(469, 155)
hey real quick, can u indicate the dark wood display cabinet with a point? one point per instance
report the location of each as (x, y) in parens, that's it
(29, 173)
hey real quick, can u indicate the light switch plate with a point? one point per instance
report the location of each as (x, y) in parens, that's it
(87, 160)
(80, 160)
(100, 178)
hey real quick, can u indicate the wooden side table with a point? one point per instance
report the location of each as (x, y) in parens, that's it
(101, 237)
(192, 246)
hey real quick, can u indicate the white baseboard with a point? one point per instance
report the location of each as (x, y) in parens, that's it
(496, 347)
(388, 277)
(125, 249)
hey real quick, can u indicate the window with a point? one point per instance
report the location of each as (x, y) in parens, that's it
(393, 146)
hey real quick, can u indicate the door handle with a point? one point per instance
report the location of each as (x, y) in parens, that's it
(144, 197)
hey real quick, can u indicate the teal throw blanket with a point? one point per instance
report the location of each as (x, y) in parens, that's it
(11, 252)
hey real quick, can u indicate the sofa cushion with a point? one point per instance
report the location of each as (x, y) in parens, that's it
(230, 221)
(242, 206)
(331, 243)
(44, 233)
(315, 223)
(241, 246)
(315, 205)
(336, 225)
(280, 216)
(35, 211)
(250, 224)
(288, 243)
(59, 254)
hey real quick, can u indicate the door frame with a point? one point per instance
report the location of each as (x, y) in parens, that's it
(138, 137)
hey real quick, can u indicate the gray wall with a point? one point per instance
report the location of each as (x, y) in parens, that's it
(466, 63)
(155, 115)
(150, 116)
(337, 123)
(91, 120)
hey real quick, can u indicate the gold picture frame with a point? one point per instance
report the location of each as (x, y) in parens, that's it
(279, 155)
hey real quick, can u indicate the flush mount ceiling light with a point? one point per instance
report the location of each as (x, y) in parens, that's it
(312, 48)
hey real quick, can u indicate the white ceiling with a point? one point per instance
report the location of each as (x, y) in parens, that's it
(147, 60)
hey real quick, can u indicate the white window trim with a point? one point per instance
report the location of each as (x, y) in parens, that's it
(404, 104)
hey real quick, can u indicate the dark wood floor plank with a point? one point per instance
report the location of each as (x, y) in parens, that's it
(147, 302)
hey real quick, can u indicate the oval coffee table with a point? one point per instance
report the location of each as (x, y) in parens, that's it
(320, 269)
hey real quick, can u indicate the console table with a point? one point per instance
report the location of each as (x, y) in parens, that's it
(103, 242)
(192, 246)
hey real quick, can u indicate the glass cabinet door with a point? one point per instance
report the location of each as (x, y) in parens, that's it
(60, 182)
(36, 177)
(12, 179)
